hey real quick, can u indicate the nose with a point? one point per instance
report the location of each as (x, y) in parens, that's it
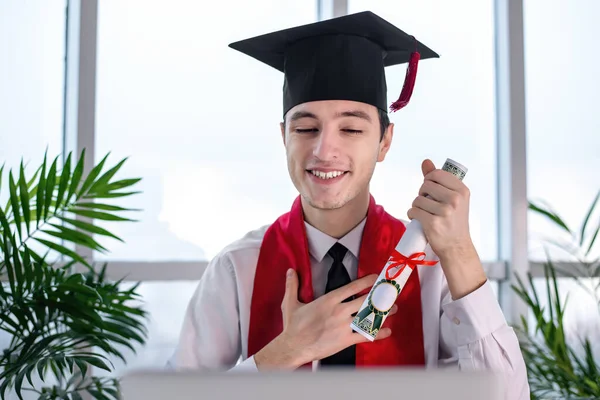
(327, 144)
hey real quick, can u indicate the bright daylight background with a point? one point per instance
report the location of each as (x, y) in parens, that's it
(199, 121)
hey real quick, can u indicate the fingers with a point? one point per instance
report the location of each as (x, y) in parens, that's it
(290, 298)
(353, 306)
(427, 166)
(384, 333)
(418, 214)
(353, 288)
(431, 206)
(445, 179)
(436, 191)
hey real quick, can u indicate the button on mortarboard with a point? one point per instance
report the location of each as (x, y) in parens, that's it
(339, 59)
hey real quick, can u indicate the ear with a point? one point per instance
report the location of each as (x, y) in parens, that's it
(282, 127)
(386, 142)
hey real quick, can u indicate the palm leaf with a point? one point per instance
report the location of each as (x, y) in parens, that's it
(73, 236)
(123, 330)
(14, 201)
(96, 362)
(6, 231)
(591, 369)
(19, 382)
(65, 176)
(91, 228)
(78, 283)
(593, 239)
(103, 181)
(40, 195)
(553, 216)
(105, 207)
(582, 235)
(33, 268)
(1, 176)
(99, 215)
(111, 195)
(554, 369)
(89, 181)
(83, 367)
(24, 198)
(7, 248)
(18, 271)
(31, 185)
(122, 184)
(49, 191)
(8, 320)
(33, 179)
(51, 313)
(77, 174)
(63, 251)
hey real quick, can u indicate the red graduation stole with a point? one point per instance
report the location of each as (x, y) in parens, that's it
(285, 245)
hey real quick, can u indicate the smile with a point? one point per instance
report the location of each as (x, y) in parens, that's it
(327, 175)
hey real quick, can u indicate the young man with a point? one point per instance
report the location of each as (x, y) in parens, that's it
(283, 296)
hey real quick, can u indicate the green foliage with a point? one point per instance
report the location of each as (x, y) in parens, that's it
(61, 312)
(555, 367)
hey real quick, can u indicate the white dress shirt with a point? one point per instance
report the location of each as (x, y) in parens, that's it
(470, 333)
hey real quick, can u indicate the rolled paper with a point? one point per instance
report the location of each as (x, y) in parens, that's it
(407, 255)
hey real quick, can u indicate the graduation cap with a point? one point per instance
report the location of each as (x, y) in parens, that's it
(339, 59)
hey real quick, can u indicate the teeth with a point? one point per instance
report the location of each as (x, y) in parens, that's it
(327, 175)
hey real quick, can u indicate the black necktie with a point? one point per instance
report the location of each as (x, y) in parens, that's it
(337, 277)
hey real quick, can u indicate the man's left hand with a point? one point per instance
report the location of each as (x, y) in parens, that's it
(444, 215)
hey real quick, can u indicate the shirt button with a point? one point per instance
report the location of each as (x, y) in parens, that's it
(456, 321)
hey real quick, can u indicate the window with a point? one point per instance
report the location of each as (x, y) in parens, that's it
(200, 120)
(166, 315)
(563, 125)
(563, 141)
(32, 51)
(452, 111)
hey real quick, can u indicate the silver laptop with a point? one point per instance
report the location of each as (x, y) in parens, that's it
(302, 385)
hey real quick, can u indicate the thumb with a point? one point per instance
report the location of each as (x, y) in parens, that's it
(427, 166)
(290, 298)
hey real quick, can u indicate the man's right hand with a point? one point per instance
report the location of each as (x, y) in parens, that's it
(318, 329)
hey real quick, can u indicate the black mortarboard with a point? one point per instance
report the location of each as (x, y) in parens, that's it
(339, 59)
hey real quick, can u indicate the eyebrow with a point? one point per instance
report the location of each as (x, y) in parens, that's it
(302, 114)
(352, 113)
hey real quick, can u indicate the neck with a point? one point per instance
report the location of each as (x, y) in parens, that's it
(338, 222)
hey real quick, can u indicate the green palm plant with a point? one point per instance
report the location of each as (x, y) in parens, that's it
(63, 316)
(556, 368)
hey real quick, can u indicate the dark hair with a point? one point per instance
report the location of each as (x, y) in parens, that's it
(384, 122)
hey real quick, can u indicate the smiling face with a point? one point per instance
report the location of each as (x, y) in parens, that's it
(332, 148)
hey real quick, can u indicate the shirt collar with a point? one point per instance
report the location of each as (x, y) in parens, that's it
(319, 243)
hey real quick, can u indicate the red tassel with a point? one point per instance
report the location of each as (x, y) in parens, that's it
(409, 82)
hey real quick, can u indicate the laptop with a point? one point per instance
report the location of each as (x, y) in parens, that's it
(303, 385)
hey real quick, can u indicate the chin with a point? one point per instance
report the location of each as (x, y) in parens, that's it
(326, 203)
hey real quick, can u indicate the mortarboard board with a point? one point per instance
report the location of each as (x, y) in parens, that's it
(339, 59)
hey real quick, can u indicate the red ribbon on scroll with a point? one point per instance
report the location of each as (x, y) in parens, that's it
(401, 261)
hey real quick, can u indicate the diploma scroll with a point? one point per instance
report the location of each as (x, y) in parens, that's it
(408, 254)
